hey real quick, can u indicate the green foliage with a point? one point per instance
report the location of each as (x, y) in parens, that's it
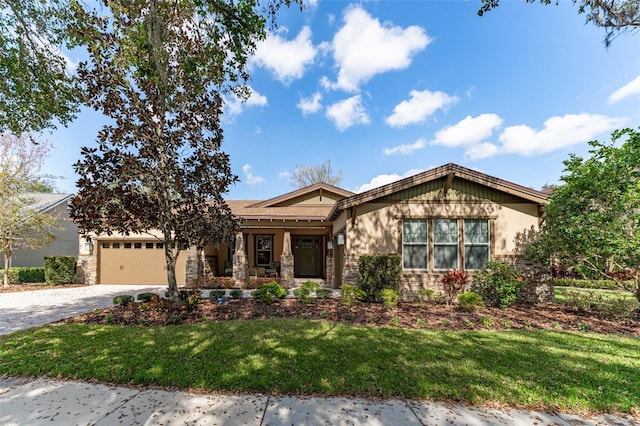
(469, 300)
(324, 293)
(306, 291)
(377, 273)
(216, 294)
(190, 297)
(453, 282)
(601, 284)
(236, 293)
(59, 269)
(25, 274)
(122, 300)
(608, 307)
(351, 294)
(270, 292)
(592, 219)
(145, 297)
(430, 296)
(390, 298)
(498, 284)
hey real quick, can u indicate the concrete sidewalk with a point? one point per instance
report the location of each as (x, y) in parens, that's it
(53, 402)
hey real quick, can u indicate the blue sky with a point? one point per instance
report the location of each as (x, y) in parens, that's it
(386, 89)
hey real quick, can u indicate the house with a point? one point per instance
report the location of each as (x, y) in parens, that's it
(66, 236)
(447, 217)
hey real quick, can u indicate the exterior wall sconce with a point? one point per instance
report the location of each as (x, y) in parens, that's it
(329, 245)
(88, 247)
(340, 239)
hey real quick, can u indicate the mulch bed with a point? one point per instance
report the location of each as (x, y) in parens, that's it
(14, 288)
(549, 316)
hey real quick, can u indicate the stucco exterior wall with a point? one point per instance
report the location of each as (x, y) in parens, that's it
(65, 243)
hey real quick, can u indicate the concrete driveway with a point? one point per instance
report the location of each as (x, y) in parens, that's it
(27, 309)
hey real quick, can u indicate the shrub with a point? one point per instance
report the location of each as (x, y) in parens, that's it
(498, 284)
(609, 307)
(259, 282)
(270, 292)
(390, 298)
(304, 293)
(145, 297)
(469, 300)
(221, 282)
(351, 294)
(377, 273)
(453, 282)
(59, 269)
(236, 294)
(26, 274)
(216, 294)
(323, 293)
(430, 296)
(123, 300)
(190, 297)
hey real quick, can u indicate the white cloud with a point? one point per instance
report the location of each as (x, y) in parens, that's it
(482, 150)
(420, 107)
(381, 180)
(286, 59)
(311, 104)
(406, 149)
(234, 106)
(629, 89)
(364, 47)
(558, 132)
(249, 177)
(284, 175)
(468, 132)
(347, 113)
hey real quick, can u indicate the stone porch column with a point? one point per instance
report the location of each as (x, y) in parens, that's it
(87, 263)
(240, 261)
(286, 261)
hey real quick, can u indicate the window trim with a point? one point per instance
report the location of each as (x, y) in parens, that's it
(258, 250)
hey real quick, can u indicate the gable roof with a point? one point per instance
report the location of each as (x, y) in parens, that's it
(448, 170)
(43, 201)
(290, 196)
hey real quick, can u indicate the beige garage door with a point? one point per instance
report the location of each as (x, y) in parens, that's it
(135, 262)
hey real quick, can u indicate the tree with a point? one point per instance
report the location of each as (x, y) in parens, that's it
(308, 175)
(159, 72)
(36, 89)
(593, 219)
(614, 16)
(20, 225)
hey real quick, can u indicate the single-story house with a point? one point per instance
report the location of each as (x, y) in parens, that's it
(66, 236)
(444, 218)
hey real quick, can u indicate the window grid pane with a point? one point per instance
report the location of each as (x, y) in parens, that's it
(445, 231)
(414, 244)
(476, 243)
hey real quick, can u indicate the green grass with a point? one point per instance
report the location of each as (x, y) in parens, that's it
(612, 294)
(559, 370)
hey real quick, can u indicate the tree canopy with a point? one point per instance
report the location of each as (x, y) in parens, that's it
(614, 16)
(593, 219)
(20, 225)
(159, 72)
(37, 91)
(308, 175)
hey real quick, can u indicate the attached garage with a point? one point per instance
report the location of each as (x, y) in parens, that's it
(136, 262)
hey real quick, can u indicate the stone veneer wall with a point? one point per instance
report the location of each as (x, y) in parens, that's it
(330, 272)
(538, 279)
(286, 269)
(194, 264)
(86, 270)
(350, 269)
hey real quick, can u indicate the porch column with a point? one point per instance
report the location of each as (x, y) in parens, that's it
(240, 268)
(286, 261)
(330, 272)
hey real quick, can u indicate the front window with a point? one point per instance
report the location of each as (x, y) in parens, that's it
(264, 250)
(445, 244)
(476, 243)
(414, 244)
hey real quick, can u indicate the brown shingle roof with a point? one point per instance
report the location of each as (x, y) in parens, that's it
(244, 209)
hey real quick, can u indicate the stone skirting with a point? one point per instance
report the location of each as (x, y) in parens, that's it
(286, 269)
(330, 272)
(350, 269)
(86, 270)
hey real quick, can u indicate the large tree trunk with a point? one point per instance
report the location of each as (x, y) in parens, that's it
(171, 255)
(5, 274)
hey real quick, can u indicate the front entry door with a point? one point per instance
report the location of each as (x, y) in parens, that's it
(307, 255)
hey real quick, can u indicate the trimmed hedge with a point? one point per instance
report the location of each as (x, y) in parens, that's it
(596, 284)
(59, 269)
(377, 273)
(25, 274)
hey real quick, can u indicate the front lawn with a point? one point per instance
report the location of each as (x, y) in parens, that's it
(532, 368)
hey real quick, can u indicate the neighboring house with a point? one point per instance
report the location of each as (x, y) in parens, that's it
(66, 236)
(444, 218)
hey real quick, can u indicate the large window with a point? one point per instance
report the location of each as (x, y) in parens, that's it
(414, 244)
(445, 244)
(476, 243)
(264, 249)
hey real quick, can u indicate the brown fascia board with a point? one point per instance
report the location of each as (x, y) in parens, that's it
(436, 173)
(298, 192)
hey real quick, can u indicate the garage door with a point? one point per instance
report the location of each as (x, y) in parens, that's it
(135, 262)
